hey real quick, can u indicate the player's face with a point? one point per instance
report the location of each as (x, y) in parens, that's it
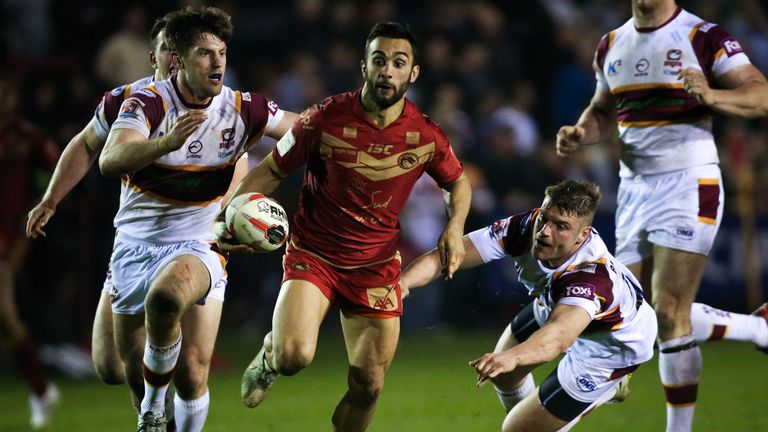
(204, 65)
(388, 70)
(557, 235)
(161, 57)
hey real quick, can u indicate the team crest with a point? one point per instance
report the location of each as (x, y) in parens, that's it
(228, 138)
(407, 160)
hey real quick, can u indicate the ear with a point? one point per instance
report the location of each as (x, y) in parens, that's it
(153, 59)
(584, 234)
(363, 68)
(176, 59)
(415, 73)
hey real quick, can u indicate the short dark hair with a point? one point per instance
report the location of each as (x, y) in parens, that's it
(575, 197)
(185, 27)
(159, 26)
(392, 30)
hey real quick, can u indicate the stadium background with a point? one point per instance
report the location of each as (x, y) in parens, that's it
(499, 76)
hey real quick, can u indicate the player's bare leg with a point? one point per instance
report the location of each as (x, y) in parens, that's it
(181, 282)
(676, 278)
(130, 339)
(530, 416)
(106, 359)
(513, 387)
(290, 346)
(371, 345)
(200, 325)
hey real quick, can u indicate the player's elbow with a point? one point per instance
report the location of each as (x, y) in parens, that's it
(108, 165)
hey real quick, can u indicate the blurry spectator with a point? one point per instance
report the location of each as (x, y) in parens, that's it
(123, 57)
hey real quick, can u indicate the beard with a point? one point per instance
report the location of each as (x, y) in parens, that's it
(384, 102)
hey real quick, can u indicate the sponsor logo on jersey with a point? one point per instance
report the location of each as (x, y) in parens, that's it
(272, 107)
(382, 298)
(583, 290)
(146, 92)
(117, 91)
(225, 154)
(585, 384)
(412, 138)
(673, 63)
(641, 67)
(246, 97)
(685, 233)
(732, 47)
(706, 27)
(613, 67)
(193, 149)
(499, 227)
(349, 132)
(129, 107)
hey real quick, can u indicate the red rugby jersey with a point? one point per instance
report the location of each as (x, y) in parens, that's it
(359, 176)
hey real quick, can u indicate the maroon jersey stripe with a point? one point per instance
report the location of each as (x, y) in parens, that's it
(183, 186)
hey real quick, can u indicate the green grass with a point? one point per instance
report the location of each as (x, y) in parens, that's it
(429, 388)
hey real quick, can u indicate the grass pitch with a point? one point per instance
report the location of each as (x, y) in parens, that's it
(429, 388)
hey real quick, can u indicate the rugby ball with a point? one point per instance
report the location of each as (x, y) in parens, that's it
(258, 221)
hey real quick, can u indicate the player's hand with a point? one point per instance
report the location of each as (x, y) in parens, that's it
(38, 217)
(226, 240)
(404, 290)
(490, 365)
(569, 140)
(450, 247)
(185, 125)
(696, 84)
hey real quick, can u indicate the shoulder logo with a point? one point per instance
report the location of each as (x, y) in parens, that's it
(706, 27)
(129, 107)
(582, 290)
(499, 227)
(117, 91)
(246, 96)
(272, 107)
(146, 92)
(412, 137)
(732, 47)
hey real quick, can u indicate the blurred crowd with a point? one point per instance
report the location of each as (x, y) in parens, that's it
(500, 77)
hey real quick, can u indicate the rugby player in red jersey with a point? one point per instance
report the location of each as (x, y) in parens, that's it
(363, 152)
(24, 152)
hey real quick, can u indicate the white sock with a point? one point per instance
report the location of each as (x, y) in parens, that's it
(680, 366)
(190, 415)
(715, 324)
(159, 363)
(510, 398)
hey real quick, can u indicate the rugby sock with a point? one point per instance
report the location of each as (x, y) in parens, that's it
(510, 398)
(715, 324)
(24, 352)
(680, 367)
(159, 363)
(190, 415)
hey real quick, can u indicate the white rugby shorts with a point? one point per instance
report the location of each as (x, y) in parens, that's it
(136, 263)
(678, 210)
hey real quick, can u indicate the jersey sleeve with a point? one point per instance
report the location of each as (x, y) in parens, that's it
(599, 63)
(260, 114)
(108, 109)
(511, 236)
(142, 111)
(298, 145)
(717, 50)
(588, 287)
(444, 167)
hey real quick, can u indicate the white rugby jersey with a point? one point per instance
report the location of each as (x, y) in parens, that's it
(106, 112)
(591, 279)
(662, 127)
(177, 197)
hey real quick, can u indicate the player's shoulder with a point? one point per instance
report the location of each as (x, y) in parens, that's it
(339, 103)
(423, 122)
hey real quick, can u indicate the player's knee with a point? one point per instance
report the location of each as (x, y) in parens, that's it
(290, 358)
(365, 385)
(163, 304)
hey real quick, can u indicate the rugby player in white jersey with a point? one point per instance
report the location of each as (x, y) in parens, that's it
(587, 305)
(175, 143)
(660, 77)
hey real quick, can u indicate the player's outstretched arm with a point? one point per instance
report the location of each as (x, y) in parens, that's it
(564, 325)
(744, 93)
(285, 125)
(127, 150)
(76, 159)
(427, 267)
(450, 246)
(596, 124)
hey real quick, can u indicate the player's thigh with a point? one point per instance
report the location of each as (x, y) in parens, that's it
(531, 415)
(104, 353)
(299, 311)
(371, 343)
(184, 278)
